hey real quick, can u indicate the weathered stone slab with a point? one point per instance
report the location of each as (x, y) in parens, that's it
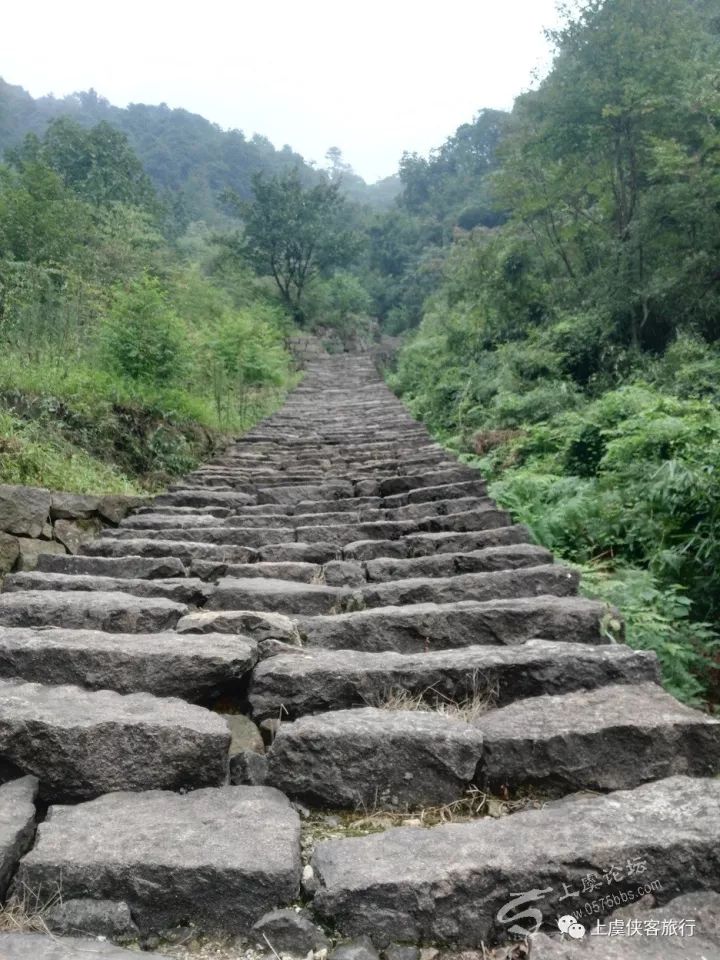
(334, 490)
(114, 612)
(549, 579)
(611, 738)
(433, 626)
(73, 506)
(370, 757)
(132, 568)
(23, 510)
(203, 498)
(251, 537)
(17, 825)
(301, 572)
(251, 623)
(160, 548)
(443, 491)
(315, 680)
(186, 590)
(281, 596)
(511, 557)
(299, 552)
(217, 858)
(447, 884)
(166, 664)
(35, 946)
(80, 743)
(425, 544)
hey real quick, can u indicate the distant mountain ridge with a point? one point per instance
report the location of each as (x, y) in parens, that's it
(184, 154)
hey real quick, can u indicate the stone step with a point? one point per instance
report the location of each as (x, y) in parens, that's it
(134, 568)
(430, 626)
(37, 946)
(548, 579)
(82, 743)
(161, 521)
(294, 552)
(316, 680)
(184, 551)
(309, 599)
(369, 758)
(435, 478)
(218, 858)
(165, 664)
(198, 499)
(111, 611)
(345, 533)
(444, 491)
(187, 590)
(612, 738)
(224, 536)
(464, 883)
(294, 493)
(155, 508)
(281, 596)
(425, 544)
(17, 825)
(287, 570)
(511, 557)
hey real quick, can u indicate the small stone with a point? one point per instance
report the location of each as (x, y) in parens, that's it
(429, 953)
(30, 550)
(269, 730)
(309, 880)
(23, 510)
(401, 951)
(361, 948)
(244, 734)
(248, 768)
(291, 931)
(108, 918)
(73, 534)
(9, 553)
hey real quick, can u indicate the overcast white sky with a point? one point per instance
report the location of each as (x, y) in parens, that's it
(374, 78)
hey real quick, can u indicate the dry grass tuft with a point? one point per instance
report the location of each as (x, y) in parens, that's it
(27, 910)
(479, 700)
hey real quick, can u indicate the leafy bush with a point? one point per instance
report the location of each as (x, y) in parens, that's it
(142, 337)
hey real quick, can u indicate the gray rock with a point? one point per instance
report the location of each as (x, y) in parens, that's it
(73, 534)
(508, 557)
(291, 931)
(203, 498)
(157, 547)
(23, 510)
(73, 506)
(132, 568)
(106, 918)
(188, 590)
(115, 507)
(244, 733)
(34, 946)
(311, 680)
(166, 664)
(401, 951)
(111, 611)
(361, 948)
(298, 552)
(248, 767)
(428, 626)
(258, 626)
(343, 573)
(547, 580)
(302, 572)
(372, 757)
(17, 825)
(612, 738)
(277, 596)
(285, 495)
(81, 743)
(449, 883)
(9, 552)
(32, 550)
(220, 857)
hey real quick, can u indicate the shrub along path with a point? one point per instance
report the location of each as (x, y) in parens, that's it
(338, 580)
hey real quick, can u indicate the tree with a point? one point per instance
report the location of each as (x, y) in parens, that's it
(294, 234)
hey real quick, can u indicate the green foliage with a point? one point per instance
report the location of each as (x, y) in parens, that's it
(142, 338)
(571, 350)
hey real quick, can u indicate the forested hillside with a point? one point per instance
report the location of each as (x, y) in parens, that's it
(190, 161)
(565, 269)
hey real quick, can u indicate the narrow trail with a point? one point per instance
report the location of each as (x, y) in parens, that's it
(331, 573)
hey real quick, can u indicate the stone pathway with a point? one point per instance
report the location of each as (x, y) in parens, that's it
(333, 616)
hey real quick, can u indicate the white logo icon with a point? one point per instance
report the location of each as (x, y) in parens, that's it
(569, 926)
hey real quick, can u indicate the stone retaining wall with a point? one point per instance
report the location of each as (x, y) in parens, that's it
(35, 521)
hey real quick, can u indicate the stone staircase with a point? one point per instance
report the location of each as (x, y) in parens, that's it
(340, 585)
